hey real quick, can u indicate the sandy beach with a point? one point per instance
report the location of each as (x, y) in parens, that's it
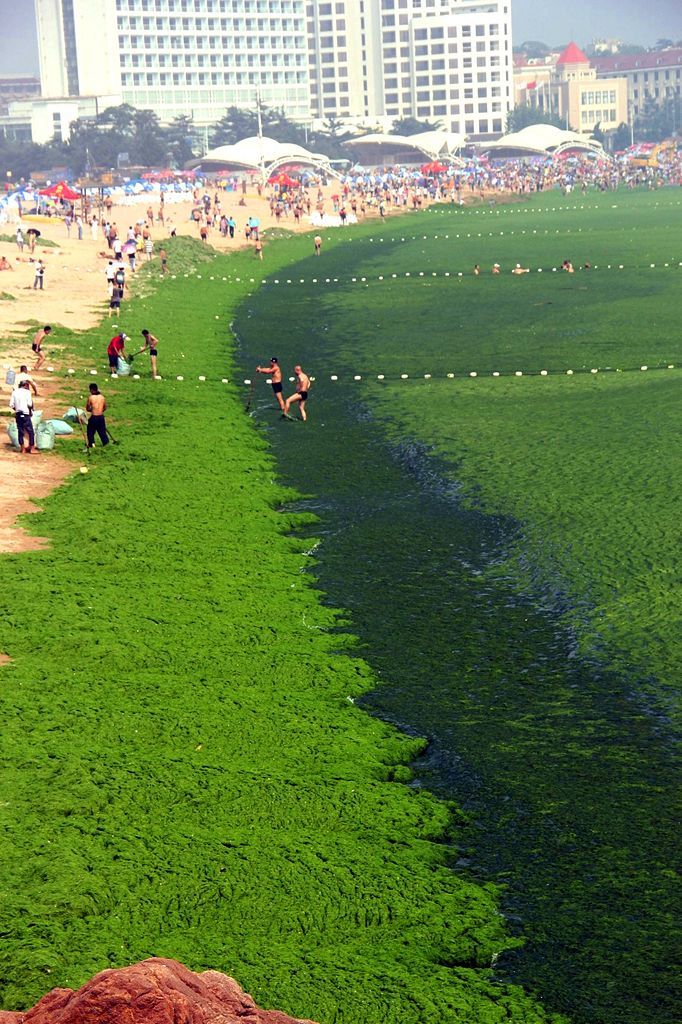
(75, 296)
(75, 293)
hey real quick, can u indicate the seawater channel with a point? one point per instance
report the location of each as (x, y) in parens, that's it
(569, 784)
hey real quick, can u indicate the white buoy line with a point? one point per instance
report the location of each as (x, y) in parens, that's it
(502, 208)
(417, 274)
(369, 377)
(448, 237)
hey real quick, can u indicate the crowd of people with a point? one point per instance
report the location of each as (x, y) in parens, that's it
(357, 196)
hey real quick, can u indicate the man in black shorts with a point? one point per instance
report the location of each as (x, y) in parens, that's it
(37, 343)
(274, 371)
(301, 395)
(151, 343)
(96, 406)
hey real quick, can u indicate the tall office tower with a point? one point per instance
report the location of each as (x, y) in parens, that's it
(437, 60)
(337, 58)
(78, 47)
(194, 57)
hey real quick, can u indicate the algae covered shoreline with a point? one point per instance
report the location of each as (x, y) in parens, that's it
(184, 771)
(495, 545)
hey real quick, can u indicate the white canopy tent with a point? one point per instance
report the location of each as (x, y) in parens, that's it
(542, 140)
(407, 149)
(262, 154)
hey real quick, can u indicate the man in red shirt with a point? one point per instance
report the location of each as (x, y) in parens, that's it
(116, 348)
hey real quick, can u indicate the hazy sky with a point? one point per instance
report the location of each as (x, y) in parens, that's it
(634, 21)
(552, 21)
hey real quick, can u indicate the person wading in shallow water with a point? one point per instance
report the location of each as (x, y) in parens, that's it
(301, 395)
(274, 371)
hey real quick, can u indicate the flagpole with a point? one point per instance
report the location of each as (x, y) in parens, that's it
(260, 137)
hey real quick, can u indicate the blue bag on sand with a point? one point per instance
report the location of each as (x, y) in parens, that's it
(13, 432)
(61, 427)
(123, 368)
(74, 415)
(10, 376)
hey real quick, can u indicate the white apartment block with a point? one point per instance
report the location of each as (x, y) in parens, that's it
(439, 60)
(194, 57)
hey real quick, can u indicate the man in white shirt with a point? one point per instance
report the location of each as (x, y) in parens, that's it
(111, 273)
(25, 375)
(22, 404)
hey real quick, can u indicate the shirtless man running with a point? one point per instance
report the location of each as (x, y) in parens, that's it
(301, 395)
(274, 371)
(36, 345)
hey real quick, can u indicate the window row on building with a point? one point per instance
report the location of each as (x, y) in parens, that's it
(130, 79)
(273, 24)
(214, 60)
(210, 6)
(603, 117)
(588, 99)
(259, 45)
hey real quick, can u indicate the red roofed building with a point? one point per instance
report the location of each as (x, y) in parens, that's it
(655, 75)
(572, 55)
(568, 88)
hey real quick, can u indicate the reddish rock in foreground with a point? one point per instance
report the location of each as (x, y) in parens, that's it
(155, 991)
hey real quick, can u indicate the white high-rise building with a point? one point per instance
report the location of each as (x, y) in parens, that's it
(194, 57)
(438, 60)
(441, 60)
(78, 48)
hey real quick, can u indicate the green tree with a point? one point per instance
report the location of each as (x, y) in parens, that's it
(533, 48)
(237, 124)
(278, 126)
(621, 138)
(179, 137)
(412, 126)
(148, 145)
(334, 128)
(522, 115)
(19, 160)
(234, 125)
(655, 121)
(122, 129)
(94, 145)
(598, 134)
(330, 140)
(120, 119)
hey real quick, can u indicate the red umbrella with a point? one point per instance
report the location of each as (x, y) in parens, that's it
(60, 190)
(282, 179)
(433, 168)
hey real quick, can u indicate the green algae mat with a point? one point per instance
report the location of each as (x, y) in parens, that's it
(186, 771)
(503, 533)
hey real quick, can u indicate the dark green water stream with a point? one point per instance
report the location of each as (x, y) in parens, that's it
(570, 785)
